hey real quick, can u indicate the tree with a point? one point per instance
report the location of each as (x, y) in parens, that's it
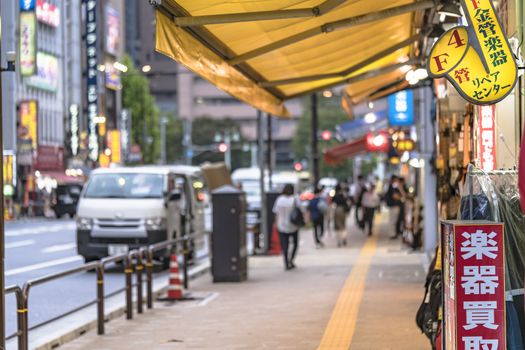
(174, 149)
(330, 115)
(136, 97)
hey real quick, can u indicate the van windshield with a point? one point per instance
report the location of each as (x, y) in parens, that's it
(125, 186)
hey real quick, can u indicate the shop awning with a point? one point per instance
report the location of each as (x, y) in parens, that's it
(265, 52)
(337, 154)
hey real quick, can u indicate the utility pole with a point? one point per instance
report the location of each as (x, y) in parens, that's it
(314, 142)
(269, 149)
(264, 213)
(163, 123)
(228, 153)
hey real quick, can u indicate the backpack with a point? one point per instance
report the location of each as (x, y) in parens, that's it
(297, 217)
(322, 206)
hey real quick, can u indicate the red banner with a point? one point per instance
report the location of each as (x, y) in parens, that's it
(474, 286)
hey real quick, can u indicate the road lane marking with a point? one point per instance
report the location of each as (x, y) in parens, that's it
(59, 248)
(208, 299)
(341, 326)
(43, 265)
(19, 244)
(39, 230)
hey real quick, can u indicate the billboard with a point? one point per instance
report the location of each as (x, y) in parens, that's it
(28, 116)
(112, 31)
(46, 77)
(27, 43)
(401, 108)
(92, 75)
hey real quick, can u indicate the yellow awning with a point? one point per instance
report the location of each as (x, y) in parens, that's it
(265, 52)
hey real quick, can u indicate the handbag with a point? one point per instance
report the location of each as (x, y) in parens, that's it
(296, 216)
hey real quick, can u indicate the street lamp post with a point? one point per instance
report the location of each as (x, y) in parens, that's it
(11, 56)
(163, 123)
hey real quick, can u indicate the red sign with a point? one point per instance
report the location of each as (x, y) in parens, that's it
(49, 158)
(377, 142)
(47, 13)
(487, 137)
(474, 285)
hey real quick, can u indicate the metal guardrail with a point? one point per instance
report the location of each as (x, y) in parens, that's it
(134, 260)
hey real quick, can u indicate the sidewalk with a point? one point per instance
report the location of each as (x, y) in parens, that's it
(361, 297)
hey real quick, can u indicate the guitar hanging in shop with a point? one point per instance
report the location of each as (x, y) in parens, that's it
(476, 59)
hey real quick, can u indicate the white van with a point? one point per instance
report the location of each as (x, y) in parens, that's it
(128, 207)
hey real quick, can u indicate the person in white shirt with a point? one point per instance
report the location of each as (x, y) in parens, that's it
(370, 203)
(283, 207)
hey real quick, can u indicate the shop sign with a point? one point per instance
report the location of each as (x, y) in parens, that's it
(112, 31)
(28, 116)
(125, 132)
(474, 285)
(401, 108)
(135, 154)
(404, 145)
(73, 129)
(27, 43)
(112, 77)
(47, 13)
(113, 142)
(47, 73)
(487, 137)
(103, 160)
(49, 158)
(9, 168)
(27, 5)
(476, 59)
(92, 75)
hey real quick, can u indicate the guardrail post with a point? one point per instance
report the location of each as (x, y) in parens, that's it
(23, 320)
(185, 261)
(128, 270)
(20, 317)
(138, 269)
(100, 298)
(149, 277)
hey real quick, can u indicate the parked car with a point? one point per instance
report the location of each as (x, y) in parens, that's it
(128, 207)
(64, 199)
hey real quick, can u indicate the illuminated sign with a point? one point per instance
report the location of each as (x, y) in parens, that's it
(28, 122)
(404, 145)
(112, 31)
(112, 77)
(377, 142)
(487, 138)
(47, 13)
(73, 122)
(9, 168)
(401, 108)
(27, 5)
(27, 43)
(113, 141)
(91, 77)
(477, 58)
(46, 77)
(474, 286)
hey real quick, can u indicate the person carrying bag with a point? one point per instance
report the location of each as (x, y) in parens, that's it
(289, 218)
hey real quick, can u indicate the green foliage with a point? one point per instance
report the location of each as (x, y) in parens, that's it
(174, 149)
(136, 97)
(330, 115)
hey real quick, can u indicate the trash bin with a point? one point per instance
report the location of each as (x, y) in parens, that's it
(229, 252)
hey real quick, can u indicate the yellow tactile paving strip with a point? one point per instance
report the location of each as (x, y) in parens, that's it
(341, 326)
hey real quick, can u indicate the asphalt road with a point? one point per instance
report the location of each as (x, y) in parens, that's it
(41, 247)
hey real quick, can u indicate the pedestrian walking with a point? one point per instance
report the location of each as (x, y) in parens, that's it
(357, 196)
(370, 204)
(340, 201)
(317, 208)
(283, 208)
(393, 202)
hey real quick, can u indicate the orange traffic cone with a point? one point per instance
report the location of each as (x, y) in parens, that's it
(275, 243)
(175, 284)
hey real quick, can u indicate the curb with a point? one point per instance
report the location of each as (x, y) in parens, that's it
(72, 334)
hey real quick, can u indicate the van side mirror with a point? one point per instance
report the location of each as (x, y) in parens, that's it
(174, 196)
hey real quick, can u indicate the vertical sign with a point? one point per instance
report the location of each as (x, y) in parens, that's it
(73, 128)
(401, 108)
(112, 31)
(487, 137)
(28, 122)
(113, 141)
(125, 132)
(475, 290)
(91, 77)
(27, 43)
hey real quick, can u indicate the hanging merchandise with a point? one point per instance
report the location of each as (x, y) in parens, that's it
(521, 176)
(494, 196)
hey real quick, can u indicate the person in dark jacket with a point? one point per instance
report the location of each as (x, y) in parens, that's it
(316, 208)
